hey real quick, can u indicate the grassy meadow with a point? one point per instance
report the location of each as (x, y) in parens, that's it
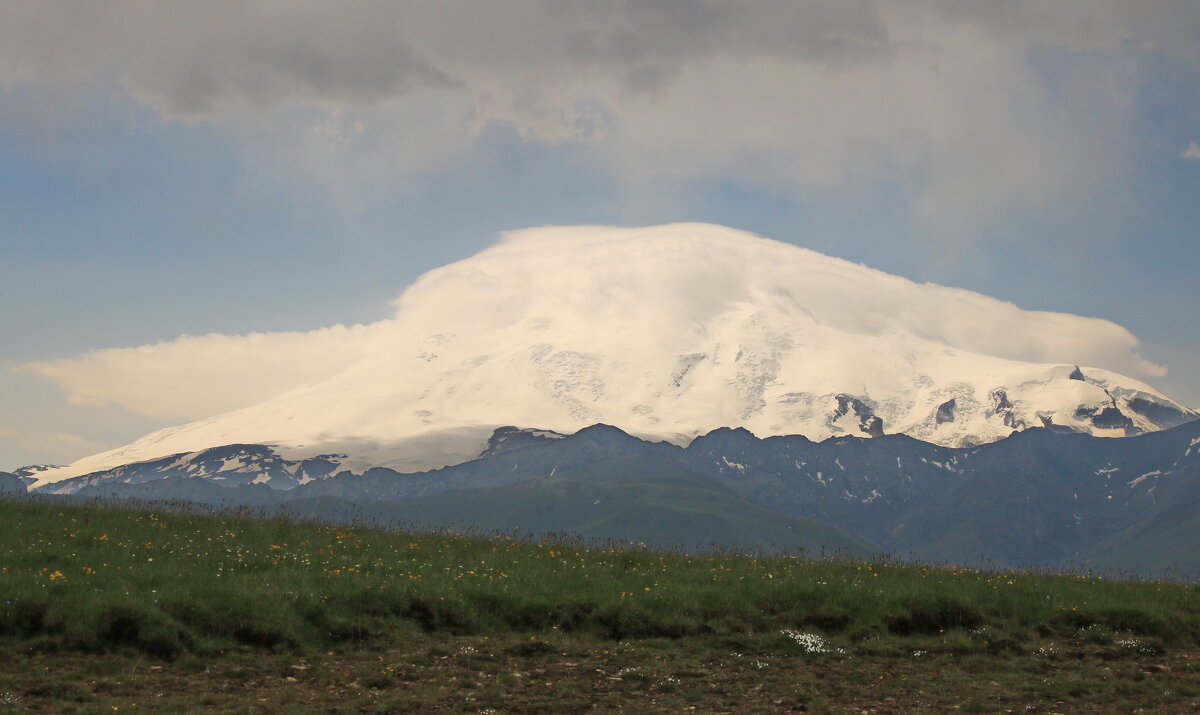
(366, 620)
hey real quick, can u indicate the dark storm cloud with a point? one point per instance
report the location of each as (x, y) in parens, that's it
(190, 58)
(960, 98)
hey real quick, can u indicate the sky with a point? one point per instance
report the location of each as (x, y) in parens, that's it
(195, 194)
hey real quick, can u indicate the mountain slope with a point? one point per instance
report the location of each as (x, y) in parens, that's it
(614, 499)
(674, 331)
(11, 484)
(1039, 497)
(230, 465)
(1048, 498)
(618, 499)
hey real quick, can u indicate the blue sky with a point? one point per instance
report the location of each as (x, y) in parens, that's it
(198, 168)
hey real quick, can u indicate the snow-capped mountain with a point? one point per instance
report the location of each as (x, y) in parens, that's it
(32, 473)
(670, 332)
(228, 465)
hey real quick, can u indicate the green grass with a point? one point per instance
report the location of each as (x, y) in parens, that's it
(91, 579)
(105, 609)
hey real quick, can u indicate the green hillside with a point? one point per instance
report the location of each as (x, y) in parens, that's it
(194, 591)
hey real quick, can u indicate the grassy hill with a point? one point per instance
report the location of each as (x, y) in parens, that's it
(1039, 498)
(194, 593)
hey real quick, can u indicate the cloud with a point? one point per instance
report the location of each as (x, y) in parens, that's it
(198, 58)
(563, 282)
(958, 99)
(56, 443)
(197, 376)
(687, 274)
(1192, 152)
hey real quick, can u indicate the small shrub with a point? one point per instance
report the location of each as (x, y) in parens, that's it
(934, 616)
(22, 617)
(535, 615)
(1095, 634)
(632, 622)
(380, 682)
(226, 616)
(441, 615)
(346, 631)
(1135, 620)
(1131, 619)
(374, 603)
(148, 630)
(829, 621)
(72, 692)
(527, 649)
(995, 642)
(961, 643)
(314, 613)
(263, 635)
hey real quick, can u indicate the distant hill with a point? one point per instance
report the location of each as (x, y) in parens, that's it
(614, 499)
(11, 484)
(1040, 497)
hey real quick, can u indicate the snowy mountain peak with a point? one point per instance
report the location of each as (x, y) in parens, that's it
(33, 473)
(672, 331)
(506, 439)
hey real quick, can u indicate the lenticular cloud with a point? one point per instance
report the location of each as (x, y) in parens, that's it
(677, 275)
(669, 331)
